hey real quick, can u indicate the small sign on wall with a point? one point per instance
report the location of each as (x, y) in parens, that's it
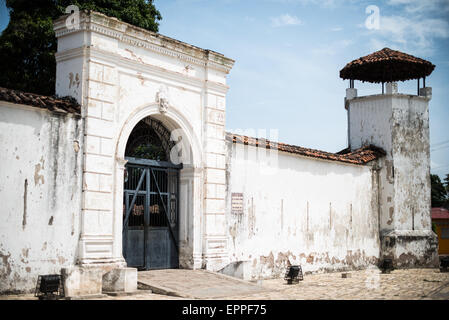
(237, 203)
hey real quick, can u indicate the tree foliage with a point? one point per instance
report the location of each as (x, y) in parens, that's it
(149, 151)
(446, 183)
(440, 194)
(28, 44)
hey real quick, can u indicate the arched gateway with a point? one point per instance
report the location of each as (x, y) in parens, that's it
(144, 98)
(151, 198)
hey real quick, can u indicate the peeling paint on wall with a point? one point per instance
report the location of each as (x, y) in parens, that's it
(25, 194)
(39, 178)
(47, 142)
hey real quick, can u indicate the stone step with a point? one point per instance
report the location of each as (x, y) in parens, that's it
(195, 284)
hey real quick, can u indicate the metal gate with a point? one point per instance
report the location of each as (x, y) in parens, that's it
(150, 214)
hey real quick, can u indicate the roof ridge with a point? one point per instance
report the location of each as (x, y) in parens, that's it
(359, 156)
(52, 103)
(387, 65)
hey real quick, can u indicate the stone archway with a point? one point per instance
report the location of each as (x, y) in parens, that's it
(190, 182)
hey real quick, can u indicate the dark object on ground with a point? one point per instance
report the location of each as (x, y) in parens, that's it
(386, 265)
(294, 274)
(444, 264)
(49, 287)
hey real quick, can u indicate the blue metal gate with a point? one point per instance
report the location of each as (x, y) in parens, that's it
(151, 214)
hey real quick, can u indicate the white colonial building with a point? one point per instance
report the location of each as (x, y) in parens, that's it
(138, 172)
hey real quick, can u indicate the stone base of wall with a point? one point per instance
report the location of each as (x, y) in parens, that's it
(238, 269)
(410, 248)
(120, 280)
(214, 263)
(82, 281)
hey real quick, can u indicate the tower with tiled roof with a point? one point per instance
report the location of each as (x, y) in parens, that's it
(399, 124)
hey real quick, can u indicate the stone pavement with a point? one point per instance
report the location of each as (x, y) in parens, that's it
(196, 284)
(411, 284)
(408, 284)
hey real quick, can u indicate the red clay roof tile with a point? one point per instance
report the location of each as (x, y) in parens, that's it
(360, 156)
(55, 104)
(440, 213)
(387, 65)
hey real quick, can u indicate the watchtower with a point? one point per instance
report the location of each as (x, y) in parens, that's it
(398, 123)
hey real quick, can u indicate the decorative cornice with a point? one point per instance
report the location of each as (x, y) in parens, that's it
(138, 37)
(116, 59)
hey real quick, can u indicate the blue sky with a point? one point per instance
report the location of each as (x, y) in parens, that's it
(289, 52)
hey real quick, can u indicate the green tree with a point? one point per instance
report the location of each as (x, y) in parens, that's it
(149, 151)
(439, 192)
(446, 184)
(28, 44)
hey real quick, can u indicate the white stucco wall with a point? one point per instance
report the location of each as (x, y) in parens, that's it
(117, 72)
(40, 194)
(319, 214)
(399, 124)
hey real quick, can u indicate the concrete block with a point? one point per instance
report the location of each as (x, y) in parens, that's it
(106, 147)
(426, 92)
(215, 205)
(215, 176)
(216, 116)
(211, 101)
(120, 280)
(98, 222)
(351, 93)
(100, 128)
(391, 88)
(98, 164)
(109, 75)
(102, 91)
(81, 281)
(221, 103)
(94, 108)
(215, 146)
(98, 200)
(96, 71)
(92, 144)
(105, 183)
(108, 111)
(91, 181)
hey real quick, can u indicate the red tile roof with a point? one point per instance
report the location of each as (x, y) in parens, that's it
(387, 65)
(55, 104)
(440, 213)
(359, 156)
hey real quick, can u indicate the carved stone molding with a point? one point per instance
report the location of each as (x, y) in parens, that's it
(163, 99)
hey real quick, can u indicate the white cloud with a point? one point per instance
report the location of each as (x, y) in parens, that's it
(333, 48)
(411, 33)
(377, 44)
(285, 20)
(336, 29)
(421, 6)
(322, 3)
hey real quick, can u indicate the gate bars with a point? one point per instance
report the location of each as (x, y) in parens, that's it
(148, 166)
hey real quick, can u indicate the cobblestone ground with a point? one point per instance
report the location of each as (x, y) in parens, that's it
(360, 285)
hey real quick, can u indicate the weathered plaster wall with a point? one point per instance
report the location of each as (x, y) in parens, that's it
(399, 124)
(319, 214)
(40, 194)
(411, 152)
(370, 123)
(118, 72)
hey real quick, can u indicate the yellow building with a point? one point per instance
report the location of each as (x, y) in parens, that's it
(440, 218)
